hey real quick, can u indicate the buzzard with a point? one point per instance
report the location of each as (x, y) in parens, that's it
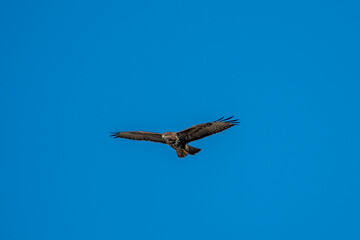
(179, 140)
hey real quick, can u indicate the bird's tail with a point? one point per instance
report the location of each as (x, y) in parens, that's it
(187, 150)
(192, 150)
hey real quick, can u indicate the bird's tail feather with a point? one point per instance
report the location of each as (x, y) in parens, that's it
(188, 150)
(192, 150)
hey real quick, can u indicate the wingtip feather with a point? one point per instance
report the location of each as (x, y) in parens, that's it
(220, 119)
(114, 134)
(229, 120)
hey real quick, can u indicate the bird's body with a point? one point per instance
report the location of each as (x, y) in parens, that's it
(179, 140)
(182, 148)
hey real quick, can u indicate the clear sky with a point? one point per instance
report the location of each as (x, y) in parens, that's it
(71, 71)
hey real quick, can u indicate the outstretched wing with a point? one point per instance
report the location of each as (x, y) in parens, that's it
(206, 129)
(139, 135)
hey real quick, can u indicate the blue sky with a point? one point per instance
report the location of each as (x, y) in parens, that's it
(71, 71)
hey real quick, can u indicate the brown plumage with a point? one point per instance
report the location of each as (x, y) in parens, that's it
(179, 140)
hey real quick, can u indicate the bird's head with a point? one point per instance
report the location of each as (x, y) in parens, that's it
(169, 136)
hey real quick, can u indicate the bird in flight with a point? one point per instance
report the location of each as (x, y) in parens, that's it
(179, 140)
